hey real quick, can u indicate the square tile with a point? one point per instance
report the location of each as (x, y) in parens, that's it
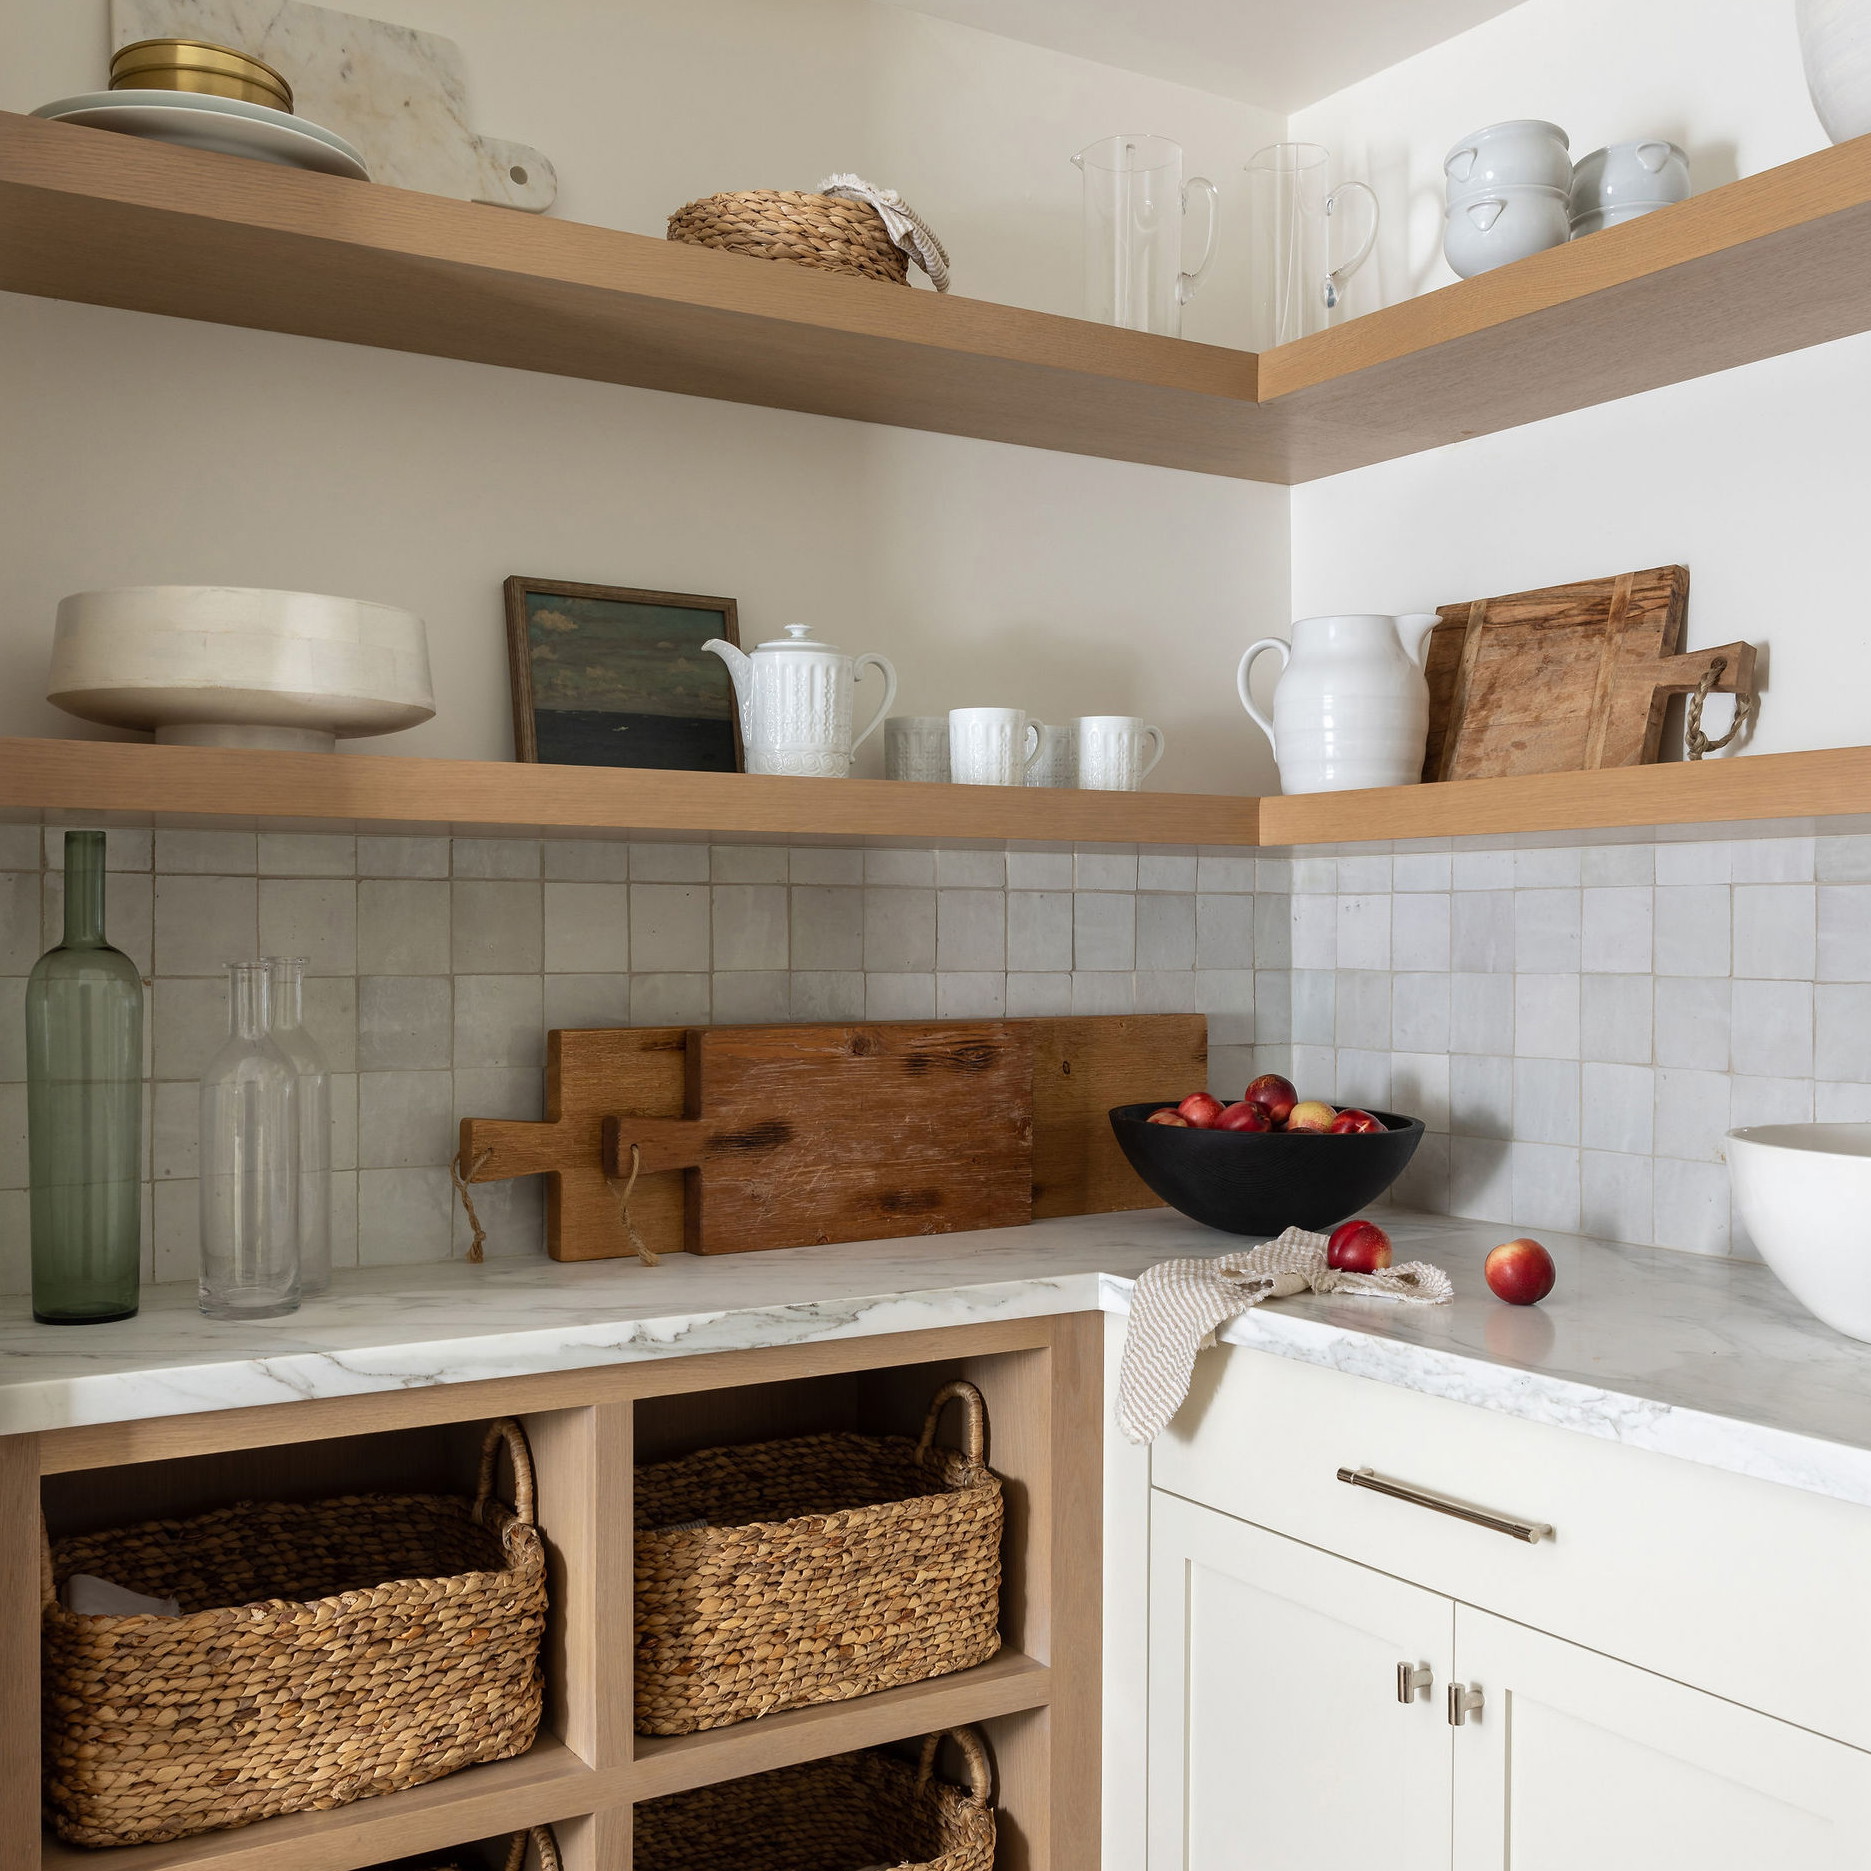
(313, 917)
(1419, 1082)
(1273, 932)
(1692, 929)
(517, 858)
(669, 999)
(404, 1216)
(1039, 931)
(1773, 860)
(971, 996)
(1315, 932)
(1481, 1186)
(1315, 1006)
(402, 857)
(1617, 1108)
(754, 998)
(1363, 873)
(827, 994)
(1166, 870)
(1548, 867)
(1224, 931)
(1547, 1016)
(1173, 991)
(1770, 1101)
(1695, 861)
(1166, 930)
(586, 860)
(1546, 1186)
(1481, 931)
(750, 927)
(899, 929)
(499, 1020)
(190, 1025)
(1419, 1018)
(1364, 1010)
(1844, 932)
(1692, 1115)
(1481, 1096)
(904, 869)
(971, 931)
(1481, 1013)
(1364, 1080)
(1615, 1196)
(669, 928)
(405, 1120)
(1221, 993)
(1482, 870)
(404, 1023)
(498, 1092)
(1039, 995)
(306, 854)
(972, 870)
(1546, 1101)
(1104, 931)
(1105, 994)
(331, 1019)
(826, 864)
(1842, 1031)
(1772, 1035)
(1422, 870)
(22, 940)
(587, 928)
(1618, 930)
(1691, 1206)
(1419, 933)
(206, 853)
(403, 926)
(175, 1130)
(748, 864)
(343, 1120)
(1114, 869)
(1693, 1021)
(202, 923)
(498, 928)
(827, 926)
(1844, 860)
(1363, 932)
(1039, 870)
(653, 862)
(176, 1230)
(1424, 1184)
(899, 997)
(1619, 866)
(1774, 931)
(586, 1000)
(1546, 931)
(1615, 1017)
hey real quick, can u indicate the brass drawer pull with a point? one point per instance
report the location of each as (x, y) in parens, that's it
(1532, 1531)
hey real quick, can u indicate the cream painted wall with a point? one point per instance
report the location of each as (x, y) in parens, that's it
(151, 450)
(1755, 479)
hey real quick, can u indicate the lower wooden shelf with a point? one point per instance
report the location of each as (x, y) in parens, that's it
(547, 1783)
(1005, 1685)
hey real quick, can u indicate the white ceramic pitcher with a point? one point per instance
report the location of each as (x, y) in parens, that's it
(795, 702)
(1351, 708)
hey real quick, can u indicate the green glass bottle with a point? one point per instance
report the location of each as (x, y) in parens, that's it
(84, 1109)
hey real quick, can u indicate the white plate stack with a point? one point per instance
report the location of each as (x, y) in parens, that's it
(226, 125)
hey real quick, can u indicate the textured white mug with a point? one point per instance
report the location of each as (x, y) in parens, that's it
(1056, 762)
(1111, 752)
(990, 746)
(916, 748)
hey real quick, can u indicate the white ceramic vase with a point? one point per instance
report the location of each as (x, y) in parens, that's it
(1835, 43)
(1352, 708)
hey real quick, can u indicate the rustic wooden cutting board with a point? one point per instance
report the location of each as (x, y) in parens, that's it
(1564, 680)
(1080, 1068)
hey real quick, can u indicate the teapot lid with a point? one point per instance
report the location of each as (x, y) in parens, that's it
(799, 637)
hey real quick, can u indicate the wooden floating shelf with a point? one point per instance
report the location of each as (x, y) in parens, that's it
(1766, 265)
(136, 783)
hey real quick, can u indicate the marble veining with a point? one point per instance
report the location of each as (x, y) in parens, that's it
(1708, 1360)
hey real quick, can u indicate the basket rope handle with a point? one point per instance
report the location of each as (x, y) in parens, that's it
(974, 1421)
(505, 1430)
(541, 1839)
(48, 1590)
(973, 1751)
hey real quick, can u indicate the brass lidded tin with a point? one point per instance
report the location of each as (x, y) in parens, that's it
(195, 65)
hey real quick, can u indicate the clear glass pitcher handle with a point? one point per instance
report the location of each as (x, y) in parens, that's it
(1240, 682)
(1335, 279)
(890, 693)
(1189, 284)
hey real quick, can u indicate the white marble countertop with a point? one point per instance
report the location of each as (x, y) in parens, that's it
(1711, 1360)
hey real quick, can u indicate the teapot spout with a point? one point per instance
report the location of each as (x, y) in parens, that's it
(740, 673)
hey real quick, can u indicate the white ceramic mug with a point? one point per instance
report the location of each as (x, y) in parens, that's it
(991, 746)
(916, 748)
(1056, 763)
(1111, 752)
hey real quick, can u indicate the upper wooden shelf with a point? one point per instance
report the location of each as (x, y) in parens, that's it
(1762, 266)
(136, 782)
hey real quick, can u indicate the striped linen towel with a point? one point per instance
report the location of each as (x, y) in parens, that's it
(1179, 1305)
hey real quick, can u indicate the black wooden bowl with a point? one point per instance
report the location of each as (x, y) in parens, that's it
(1264, 1182)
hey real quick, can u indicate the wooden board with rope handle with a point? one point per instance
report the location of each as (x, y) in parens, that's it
(1078, 1069)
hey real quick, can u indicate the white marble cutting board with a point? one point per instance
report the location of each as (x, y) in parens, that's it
(399, 95)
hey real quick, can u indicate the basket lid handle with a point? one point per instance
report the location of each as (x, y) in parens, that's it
(506, 1431)
(542, 1841)
(973, 1751)
(974, 1420)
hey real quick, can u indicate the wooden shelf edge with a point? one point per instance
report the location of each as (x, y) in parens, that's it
(1006, 1685)
(1821, 783)
(212, 783)
(544, 1785)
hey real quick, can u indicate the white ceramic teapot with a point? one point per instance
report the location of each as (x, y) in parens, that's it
(795, 702)
(1352, 708)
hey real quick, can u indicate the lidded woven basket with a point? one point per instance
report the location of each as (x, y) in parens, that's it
(831, 1815)
(823, 231)
(327, 1651)
(813, 1570)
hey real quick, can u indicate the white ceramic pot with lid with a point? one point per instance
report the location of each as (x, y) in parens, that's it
(1352, 708)
(1525, 153)
(795, 696)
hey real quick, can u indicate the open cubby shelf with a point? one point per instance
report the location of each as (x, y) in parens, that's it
(1037, 1701)
(1768, 264)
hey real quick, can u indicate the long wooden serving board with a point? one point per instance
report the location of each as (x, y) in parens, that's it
(1079, 1069)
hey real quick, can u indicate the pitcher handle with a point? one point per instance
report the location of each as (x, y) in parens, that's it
(1417, 625)
(1189, 284)
(1240, 683)
(1034, 741)
(1335, 279)
(890, 693)
(1156, 735)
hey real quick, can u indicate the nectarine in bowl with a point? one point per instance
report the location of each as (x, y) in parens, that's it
(1264, 1182)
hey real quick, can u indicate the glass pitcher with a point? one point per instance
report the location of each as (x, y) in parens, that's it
(1135, 200)
(1293, 285)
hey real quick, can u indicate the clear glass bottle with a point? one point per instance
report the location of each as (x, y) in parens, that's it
(286, 1004)
(249, 1163)
(84, 1109)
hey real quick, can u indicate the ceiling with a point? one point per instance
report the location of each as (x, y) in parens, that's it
(1278, 53)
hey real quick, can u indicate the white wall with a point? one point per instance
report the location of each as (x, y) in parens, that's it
(1754, 479)
(157, 451)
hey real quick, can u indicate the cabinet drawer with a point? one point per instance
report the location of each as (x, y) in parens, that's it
(1743, 1588)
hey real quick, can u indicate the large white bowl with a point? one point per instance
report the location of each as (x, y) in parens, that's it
(223, 666)
(1804, 1192)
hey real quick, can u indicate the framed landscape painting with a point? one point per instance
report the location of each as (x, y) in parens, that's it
(608, 677)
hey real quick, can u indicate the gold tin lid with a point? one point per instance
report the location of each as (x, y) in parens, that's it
(196, 65)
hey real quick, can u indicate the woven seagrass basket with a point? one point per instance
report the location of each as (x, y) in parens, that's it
(825, 1567)
(327, 1651)
(833, 1815)
(545, 1849)
(823, 231)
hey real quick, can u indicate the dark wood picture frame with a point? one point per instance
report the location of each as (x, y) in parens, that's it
(520, 647)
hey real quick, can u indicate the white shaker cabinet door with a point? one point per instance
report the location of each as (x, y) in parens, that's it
(1576, 1760)
(1277, 1739)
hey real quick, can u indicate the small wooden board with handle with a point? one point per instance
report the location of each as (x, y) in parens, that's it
(1565, 680)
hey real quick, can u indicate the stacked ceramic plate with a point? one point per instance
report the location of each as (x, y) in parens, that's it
(229, 126)
(1507, 195)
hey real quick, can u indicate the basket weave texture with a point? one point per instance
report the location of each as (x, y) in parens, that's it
(823, 231)
(830, 1815)
(829, 1567)
(327, 1651)
(545, 1846)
